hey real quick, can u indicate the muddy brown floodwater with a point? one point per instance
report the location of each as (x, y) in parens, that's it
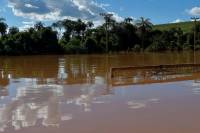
(73, 94)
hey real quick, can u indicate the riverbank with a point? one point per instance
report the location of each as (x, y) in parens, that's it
(79, 37)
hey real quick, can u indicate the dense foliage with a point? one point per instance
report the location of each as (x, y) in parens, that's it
(73, 37)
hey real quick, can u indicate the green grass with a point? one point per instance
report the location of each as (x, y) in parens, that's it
(185, 26)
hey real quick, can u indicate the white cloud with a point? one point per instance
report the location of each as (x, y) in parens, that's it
(195, 11)
(52, 10)
(25, 27)
(30, 6)
(117, 17)
(177, 21)
(28, 22)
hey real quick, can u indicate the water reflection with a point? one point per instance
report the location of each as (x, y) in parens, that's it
(62, 74)
(36, 102)
(49, 90)
(41, 98)
(154, 74)
(31, 104)
(4, 82)
(196, 87)
(138, 104)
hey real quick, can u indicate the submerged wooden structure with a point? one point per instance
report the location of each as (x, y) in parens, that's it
(154, 74)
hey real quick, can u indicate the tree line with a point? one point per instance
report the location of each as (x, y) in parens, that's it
(79, 37)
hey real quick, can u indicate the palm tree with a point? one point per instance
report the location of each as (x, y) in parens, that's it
(109, 21)
(90, 24)
(39, 26)
(128, 20)
(3, 26)
(144, 25)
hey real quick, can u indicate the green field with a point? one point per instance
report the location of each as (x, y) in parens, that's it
(185, 26)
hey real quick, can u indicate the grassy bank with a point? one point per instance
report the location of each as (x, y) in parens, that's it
(185, 26)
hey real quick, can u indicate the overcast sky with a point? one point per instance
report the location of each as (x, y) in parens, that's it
(23, 13)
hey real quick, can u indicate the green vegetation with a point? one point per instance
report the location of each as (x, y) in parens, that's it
(185, 26)
(79, 37)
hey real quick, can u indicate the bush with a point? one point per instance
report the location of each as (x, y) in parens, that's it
(136, 48)
(73, 46)
(92, 46)
(156, 46)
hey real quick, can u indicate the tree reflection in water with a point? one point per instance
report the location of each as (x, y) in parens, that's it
(33, 92)
(42, 98)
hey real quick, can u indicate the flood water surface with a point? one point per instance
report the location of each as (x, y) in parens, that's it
(75, 94)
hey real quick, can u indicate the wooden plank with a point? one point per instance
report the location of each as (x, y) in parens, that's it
(118, 71)
(155, 67)
(128, 80)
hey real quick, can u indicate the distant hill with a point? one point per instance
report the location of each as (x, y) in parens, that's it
(185, 26)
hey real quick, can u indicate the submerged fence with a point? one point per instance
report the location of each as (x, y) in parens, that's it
(154, 74)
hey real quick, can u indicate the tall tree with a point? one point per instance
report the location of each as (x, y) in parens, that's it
(58, 26)
(79, 27)
(109, 21)
(90, 24)
(39, 26)
(3, 26)
(13, 30)
(128, 20)
(144, 25)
